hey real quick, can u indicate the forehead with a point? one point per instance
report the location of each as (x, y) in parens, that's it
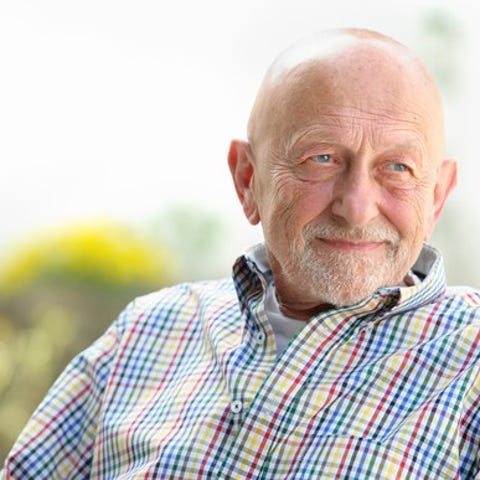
(353, 129)
(381, 99)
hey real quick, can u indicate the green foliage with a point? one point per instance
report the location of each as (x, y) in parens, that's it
(198, 236)
(439, 42)
(60, 291)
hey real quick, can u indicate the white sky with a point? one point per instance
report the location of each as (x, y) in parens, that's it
(119, 108)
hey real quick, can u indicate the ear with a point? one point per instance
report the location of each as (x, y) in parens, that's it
(242, 169)
(446, 182)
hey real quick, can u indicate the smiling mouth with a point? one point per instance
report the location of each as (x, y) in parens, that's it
(352, 245)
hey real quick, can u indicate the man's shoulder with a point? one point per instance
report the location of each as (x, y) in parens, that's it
(469, 297)
(204, 294)
(464, 302)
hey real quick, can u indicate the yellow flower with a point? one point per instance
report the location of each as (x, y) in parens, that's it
(99, 252)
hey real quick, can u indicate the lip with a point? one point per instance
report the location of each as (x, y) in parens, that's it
(351, 245)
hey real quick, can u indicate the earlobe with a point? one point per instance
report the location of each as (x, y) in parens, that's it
(242, 169)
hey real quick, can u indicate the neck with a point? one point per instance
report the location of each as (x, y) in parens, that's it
(302, 312)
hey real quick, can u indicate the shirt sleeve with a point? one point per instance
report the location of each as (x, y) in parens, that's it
(470, 431)
(58, 440)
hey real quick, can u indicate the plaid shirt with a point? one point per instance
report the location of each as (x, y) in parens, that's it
(186, 385)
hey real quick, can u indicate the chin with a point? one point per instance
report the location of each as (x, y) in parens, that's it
(352, 298)
(344, 283)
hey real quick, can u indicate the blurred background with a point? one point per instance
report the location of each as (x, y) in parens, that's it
(115, 120)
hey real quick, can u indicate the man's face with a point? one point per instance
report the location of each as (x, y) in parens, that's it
(345, 184)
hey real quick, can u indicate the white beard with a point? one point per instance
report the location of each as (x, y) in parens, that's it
(345, 278)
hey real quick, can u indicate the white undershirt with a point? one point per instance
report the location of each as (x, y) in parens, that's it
(284, 328)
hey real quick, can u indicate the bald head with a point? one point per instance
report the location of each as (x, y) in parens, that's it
(348, 66)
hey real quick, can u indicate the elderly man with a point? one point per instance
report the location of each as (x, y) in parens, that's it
(336, 351)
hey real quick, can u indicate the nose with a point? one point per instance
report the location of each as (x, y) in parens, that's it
(355, 199)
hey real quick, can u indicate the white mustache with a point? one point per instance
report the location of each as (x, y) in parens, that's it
(374, 233)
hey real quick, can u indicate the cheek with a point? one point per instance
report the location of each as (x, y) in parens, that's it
(292, 213)
(296, 205)
(409, 215)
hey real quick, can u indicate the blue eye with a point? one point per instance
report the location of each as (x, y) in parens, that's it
(398, 167)
(323, 158)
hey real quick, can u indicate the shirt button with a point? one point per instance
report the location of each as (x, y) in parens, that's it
(259, 338)
(236, 406)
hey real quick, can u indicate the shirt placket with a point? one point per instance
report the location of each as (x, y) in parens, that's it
(265, 417)
(252, 360)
